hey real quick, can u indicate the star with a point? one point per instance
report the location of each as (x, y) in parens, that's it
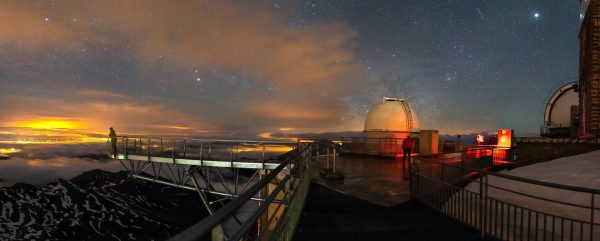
(536, 15)
(46, 19)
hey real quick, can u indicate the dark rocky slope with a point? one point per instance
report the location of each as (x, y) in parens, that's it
(96, 205)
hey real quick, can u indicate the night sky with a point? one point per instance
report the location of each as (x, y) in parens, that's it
(242, 68)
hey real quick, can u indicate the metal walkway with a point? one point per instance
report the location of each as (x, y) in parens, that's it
(257, 190)
(248, 187)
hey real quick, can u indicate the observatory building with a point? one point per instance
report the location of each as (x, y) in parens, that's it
(589, 69)
(392, 118)
(561, 115)
(386, 127)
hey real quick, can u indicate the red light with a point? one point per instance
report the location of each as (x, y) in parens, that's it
(504, 138)
(480, 138)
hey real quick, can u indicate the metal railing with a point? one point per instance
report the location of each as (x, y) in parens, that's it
(276, 189)
(506, 207)
(279, 223)
(588, 140)
(374, 146)
(202, 149)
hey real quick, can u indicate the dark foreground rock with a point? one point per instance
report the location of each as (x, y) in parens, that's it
(96, 205)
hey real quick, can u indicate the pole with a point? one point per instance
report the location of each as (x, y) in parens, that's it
(327, 156)
(184, 148)
(334, 159)
(592, 218)
(173, 152)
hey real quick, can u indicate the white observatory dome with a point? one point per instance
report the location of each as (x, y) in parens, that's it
(391, 115)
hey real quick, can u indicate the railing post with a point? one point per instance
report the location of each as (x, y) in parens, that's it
(288, 187)
(441, 172)
(263, 153)
(317, 158)
(201, 153)
(379, 146)
(334, 159)
(148, 150)
(592, 218)
(209, 149)
(482, 202)
(173, 151)
(125, 143)
(327, 157)
(184, 148)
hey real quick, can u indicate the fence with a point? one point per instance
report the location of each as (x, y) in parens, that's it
(280, 210)
(588, 140)
(283, 170)
(506, 207)
(374, 146)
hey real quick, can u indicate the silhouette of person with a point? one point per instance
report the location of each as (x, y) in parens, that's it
(407, 145)
(113, 139)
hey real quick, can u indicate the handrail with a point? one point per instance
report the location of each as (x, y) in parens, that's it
(211, 140)
(470, 196)
(202, 228)
(521, 179)
(543, 139)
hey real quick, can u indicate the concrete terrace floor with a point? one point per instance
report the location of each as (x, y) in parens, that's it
(330, 215)
(379, 181)
(372, 202)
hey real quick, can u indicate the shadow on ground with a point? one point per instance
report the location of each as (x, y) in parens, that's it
(330, 215)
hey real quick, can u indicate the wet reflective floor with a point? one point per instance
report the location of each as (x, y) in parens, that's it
(379, 181)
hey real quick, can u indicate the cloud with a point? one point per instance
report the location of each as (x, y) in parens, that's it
(28, 28)
(39, 164)
(24, 117)
(299, 76)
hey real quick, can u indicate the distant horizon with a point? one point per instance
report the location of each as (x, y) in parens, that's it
(82, 138)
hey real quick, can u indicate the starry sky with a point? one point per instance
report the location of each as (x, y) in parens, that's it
(258, 68)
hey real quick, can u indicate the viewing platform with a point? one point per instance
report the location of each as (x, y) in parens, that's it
(256, 190)
(380, 181)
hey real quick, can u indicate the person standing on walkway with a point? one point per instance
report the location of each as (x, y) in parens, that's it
(407, 145)
(113, 139)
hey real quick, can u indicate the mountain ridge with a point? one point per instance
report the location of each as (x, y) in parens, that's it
(96, 205)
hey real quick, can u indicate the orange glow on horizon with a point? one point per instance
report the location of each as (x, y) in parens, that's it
(50, 130)
(269, 135)
(4, 151)
(46, 163)
(49, 124)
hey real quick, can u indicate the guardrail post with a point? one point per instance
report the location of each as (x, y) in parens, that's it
(379, 146)
(482, 201)
(184, 148)
(288, 185)
(173, 151)
(327, 165)
(334, 160)
(592, 218)
(317, 158)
